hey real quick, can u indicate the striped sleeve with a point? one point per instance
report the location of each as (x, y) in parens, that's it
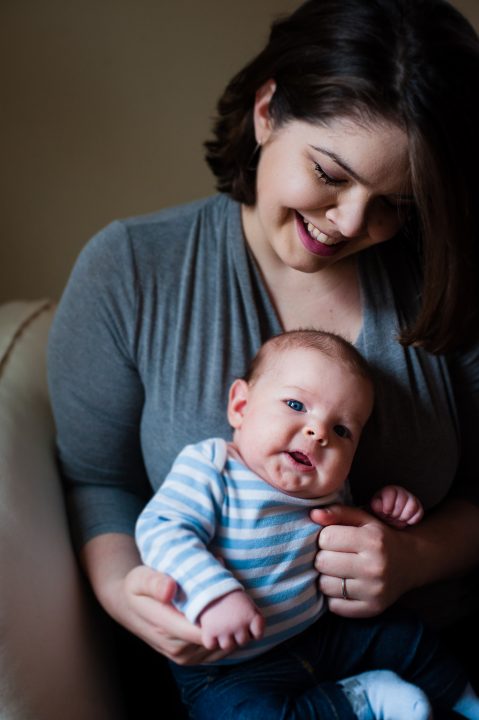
(175, 528)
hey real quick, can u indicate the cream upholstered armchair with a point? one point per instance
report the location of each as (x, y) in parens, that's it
(53, 664)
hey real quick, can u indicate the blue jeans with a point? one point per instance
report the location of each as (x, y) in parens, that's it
(297, 680)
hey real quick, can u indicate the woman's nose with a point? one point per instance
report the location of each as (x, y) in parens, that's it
(349, 216)
(313, 432)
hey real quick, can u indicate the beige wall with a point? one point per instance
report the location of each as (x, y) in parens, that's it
(103, 111)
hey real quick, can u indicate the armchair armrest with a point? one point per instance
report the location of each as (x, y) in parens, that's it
(52, 660)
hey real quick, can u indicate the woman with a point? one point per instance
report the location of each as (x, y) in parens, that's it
(346, 155)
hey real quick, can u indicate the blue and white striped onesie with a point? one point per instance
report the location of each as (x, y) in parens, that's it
(211, 506)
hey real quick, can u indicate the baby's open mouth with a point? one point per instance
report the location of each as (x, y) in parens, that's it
(300, 458)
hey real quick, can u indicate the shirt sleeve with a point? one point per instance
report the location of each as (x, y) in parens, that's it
(174, 531)
(465, 377)
(96, 393)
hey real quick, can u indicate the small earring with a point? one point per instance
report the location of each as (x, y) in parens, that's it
(255, 152)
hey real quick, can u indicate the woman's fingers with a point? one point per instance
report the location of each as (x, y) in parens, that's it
(167, 631)
(349, 608)
(355, 598)
(367, 538)
(167, 621)
(151, 592)
(360, 555)
(340, 538)
(338, 564)
(148, 613)
(143, 580)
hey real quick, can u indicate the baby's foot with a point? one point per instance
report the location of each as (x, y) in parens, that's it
(383, 695)
(468, 704)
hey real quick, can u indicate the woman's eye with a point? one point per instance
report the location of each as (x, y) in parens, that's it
(295, 405)
(327, 179)
(342, 431)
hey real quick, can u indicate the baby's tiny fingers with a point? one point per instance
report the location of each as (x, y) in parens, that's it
(242, 636)
(257, 626)
(418, 515)
(210, 642)
(226, 641)
(412, 511)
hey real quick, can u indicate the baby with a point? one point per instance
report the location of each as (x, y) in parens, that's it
(231, 521)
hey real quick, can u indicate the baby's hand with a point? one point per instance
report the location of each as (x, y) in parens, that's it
(231, 621)
(397, 506)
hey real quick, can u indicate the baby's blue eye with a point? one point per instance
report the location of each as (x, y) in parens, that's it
(342, 431)
(295, 405)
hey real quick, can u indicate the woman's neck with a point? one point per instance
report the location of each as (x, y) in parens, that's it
(328, 299)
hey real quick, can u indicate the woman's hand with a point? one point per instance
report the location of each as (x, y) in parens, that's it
(371, 557)
(139, 599)
(144, 607)
(380, 563)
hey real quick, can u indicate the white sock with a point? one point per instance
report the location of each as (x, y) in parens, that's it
(383, 695)
(468, 704)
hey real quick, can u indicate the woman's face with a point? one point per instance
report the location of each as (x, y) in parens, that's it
(326, 191)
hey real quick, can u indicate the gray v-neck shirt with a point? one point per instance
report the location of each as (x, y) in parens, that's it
(162, 312)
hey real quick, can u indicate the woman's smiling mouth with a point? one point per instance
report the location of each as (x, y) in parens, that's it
(318, 235)
(314, 240)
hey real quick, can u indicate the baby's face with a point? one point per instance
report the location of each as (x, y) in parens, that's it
(298, 425)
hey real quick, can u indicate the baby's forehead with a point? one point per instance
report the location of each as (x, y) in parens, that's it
(291, 367)
(292, 363)
(286, 359)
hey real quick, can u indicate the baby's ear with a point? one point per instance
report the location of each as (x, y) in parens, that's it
(237, 401)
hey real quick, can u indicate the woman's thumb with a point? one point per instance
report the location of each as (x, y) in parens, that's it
(340, 515)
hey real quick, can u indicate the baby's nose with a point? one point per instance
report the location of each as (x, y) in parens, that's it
(312, 432)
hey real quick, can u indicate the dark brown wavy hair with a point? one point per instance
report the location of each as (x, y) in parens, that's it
(411, 62)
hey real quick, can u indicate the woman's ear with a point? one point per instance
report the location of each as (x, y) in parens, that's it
(237, 401)
(263, 123)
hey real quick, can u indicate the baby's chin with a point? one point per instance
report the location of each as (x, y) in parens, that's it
(293, 484)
